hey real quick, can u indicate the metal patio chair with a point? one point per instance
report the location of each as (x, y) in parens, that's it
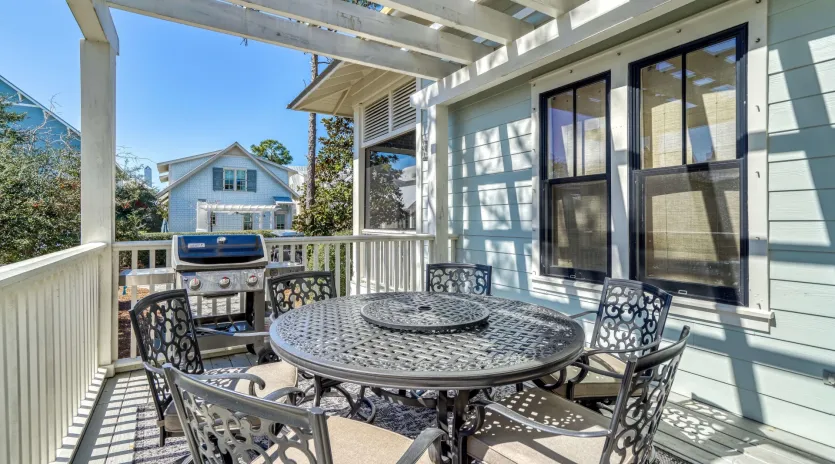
(165, 333)
(538, 427)
(630, 321)
(473, 279)
(270, 432)
(293, 290)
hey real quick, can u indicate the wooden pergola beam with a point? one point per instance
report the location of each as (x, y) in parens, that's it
(552, 8)
(256, 25)
(373, 25)
(465, 15)
(94, 20)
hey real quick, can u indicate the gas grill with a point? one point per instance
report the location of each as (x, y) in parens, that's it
(211, 267)
(219, 265)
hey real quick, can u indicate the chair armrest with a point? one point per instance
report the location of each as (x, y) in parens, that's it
(155, 370)
(584, 313)
(205, 331)
(585, 368)
(515, 416)
(253, 379)
(282, 392)
(420, 445)
(625, 350)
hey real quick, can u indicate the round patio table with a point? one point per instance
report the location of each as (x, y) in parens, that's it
(428, 341)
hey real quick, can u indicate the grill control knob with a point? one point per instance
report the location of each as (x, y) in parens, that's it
(224, 282)
(252, 280)
(194, 283)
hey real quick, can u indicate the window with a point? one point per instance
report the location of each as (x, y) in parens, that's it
(213, 221)
(234, 179)
(247, 221)
(280, 219)
(391, 184)
(688, 145)
(575, 180)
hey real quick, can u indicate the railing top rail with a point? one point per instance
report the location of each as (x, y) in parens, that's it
(17, 272)
(141, 245)
(348, 238)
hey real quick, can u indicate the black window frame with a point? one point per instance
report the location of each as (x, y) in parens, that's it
(545, 211)
(637, 175)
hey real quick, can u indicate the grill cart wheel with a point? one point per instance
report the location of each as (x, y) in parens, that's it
(266, 355)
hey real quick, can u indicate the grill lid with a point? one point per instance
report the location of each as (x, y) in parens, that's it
(219, 249)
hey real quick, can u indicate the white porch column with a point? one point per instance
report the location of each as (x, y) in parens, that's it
(437, 207)
(98, 178)
(359, 174)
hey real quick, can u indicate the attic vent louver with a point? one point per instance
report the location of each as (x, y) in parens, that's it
(389, 114)
(376, 119)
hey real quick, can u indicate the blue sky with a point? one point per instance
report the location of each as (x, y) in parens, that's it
(179, 90)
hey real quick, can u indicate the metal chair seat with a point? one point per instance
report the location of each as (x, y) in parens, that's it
(354, 442)
(504, 441)
(593, 385)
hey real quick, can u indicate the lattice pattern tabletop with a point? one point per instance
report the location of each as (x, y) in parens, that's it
(519, 342)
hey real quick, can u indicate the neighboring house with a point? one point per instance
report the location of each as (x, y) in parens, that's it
(562, 161)
(229, 189)
(49, 125)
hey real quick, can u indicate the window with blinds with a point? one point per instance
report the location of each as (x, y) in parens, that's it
(575, 180)
(389, 115)
(688, 149)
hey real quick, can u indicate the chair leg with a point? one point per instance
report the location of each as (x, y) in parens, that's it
(162, 436)
(520, 388)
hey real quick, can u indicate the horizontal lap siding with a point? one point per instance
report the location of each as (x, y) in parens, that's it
(772, 377)
(490, 190)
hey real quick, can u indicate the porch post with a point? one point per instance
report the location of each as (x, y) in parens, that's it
(98, 178)
(438, 177)
(359, 174)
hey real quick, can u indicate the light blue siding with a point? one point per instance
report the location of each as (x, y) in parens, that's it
(182, 210)
(50, 130)
(772, 377)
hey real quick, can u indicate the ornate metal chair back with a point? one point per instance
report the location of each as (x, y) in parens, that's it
(472, 279)
(645, 387)
(164, 331)
(299, 288)
(223, 426)
(631, 314)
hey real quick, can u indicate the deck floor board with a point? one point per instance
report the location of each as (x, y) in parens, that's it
(691, 430)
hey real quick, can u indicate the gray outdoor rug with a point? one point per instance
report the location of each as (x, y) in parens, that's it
(401, 419)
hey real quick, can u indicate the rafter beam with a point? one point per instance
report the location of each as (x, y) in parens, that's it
(545, 45)
(94, 20)
(552, 8)
(373, 25)
(465, 15)
(251, 24)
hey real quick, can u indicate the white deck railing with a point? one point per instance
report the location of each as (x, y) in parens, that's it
(48, 349)
(360, 263)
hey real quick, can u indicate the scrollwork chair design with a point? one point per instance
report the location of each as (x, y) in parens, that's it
(166, 334)
(473, 279)
(223, 426)
(630, 321)
(299, 288)
(291, 291)
(507, 432)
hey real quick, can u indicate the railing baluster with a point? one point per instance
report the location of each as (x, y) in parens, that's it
(368, 266)
(134, 265)
(304, 257)
(315, 266)
(338, 264)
